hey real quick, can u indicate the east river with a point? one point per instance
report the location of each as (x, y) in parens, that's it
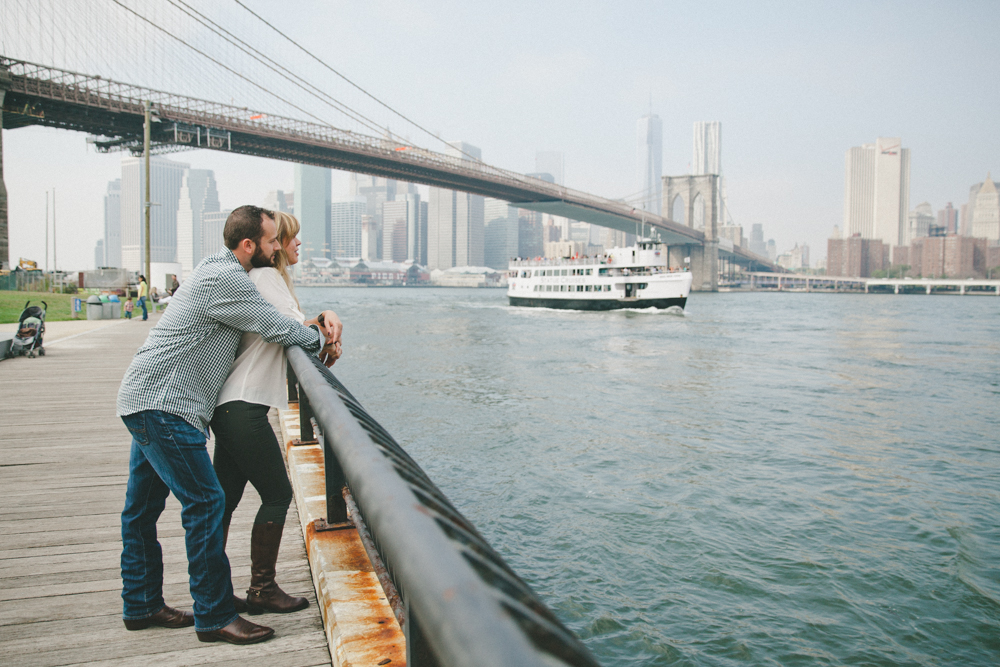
(785, 479)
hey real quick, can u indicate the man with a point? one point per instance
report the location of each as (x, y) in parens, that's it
(166, 400)
(143, 295)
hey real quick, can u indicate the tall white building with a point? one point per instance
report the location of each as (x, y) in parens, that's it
(986, 212)
(166, 177)
(198, 196)
(877, 191)
(345, 228)
(649, 162)
(113, 224)
(313, 191)
(706, 158)
(404, 229)
(455, 221)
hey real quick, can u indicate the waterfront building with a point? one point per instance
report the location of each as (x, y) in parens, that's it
(345, 227)
(919, 223)
(501, 233)
(455, 221)
(404, 228)
(166, 177)
(279, 200)
(113, 225)
(313, 195)
(649, 163)
(948, 219)
(986, 212)
(950, 256)
(199, 195)
(212, 225)
(855, 257)
(877, 191)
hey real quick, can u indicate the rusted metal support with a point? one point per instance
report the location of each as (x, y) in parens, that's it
(391, 594)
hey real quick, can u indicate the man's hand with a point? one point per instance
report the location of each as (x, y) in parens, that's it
(331, 325)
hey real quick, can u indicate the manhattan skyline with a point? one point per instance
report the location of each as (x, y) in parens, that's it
(794, 87)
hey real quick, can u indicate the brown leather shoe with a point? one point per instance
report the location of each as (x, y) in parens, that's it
(240, 631)
(167, 617)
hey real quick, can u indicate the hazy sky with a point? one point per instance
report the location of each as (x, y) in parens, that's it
(795, 84)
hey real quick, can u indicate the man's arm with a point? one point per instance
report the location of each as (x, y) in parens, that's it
(236, 302)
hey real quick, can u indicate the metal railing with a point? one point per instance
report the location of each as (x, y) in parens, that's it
(459, 603)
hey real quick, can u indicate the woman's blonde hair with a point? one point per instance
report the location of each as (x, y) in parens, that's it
(288, 227)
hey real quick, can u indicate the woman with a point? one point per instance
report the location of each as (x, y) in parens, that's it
(245, 446)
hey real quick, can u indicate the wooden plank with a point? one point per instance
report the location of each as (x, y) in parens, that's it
(62, 486)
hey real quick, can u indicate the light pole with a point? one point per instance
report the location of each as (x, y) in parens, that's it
(145, 152)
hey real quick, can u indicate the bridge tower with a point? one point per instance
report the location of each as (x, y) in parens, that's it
(693, 201)
(5, 82)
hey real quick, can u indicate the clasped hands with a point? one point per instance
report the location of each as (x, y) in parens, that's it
(331, 326)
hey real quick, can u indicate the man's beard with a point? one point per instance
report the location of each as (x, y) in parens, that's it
(260, 260)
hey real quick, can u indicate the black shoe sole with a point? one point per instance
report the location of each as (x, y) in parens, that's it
(212, 637)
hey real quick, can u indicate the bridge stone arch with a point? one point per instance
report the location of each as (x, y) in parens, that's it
(692, 201)
(676, 210)
(696, 197)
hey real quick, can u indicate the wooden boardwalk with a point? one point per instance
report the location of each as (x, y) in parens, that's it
(63, 469)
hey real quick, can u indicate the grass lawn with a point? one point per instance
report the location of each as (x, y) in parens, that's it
(12, 303)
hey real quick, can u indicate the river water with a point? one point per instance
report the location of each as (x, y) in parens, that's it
(785, 479)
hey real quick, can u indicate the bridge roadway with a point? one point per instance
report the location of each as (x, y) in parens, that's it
(63, 469)
(42, 95)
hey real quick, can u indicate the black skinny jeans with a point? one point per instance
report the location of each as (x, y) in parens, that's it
(247, 451)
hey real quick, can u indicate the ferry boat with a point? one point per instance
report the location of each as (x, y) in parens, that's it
(633, 277)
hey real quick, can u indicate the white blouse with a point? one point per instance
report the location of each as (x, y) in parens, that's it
(258, 374)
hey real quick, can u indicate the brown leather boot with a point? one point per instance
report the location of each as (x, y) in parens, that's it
(238, 602)
(240, 631)
(264, 594)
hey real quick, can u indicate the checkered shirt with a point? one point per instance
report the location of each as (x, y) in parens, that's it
(184, 362)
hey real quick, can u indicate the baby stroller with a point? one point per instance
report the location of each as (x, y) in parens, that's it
(30, 329)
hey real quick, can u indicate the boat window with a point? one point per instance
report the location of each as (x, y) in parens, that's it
(643, 285)
(607, 288)
(564, 272)
(589, 271)
(602, 272)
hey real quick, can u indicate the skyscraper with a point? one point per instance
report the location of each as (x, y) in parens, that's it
(757, 245)
(986, 213)
(279, 200)
(113, 224)
(345, 228)
(877, 191)
(649, 163)
(165, 188)
(212, 225)
(313, 192)
(99, 254)
(707, 159)
(198, 196)
(501, 233)
(455, 221)
(947, 218)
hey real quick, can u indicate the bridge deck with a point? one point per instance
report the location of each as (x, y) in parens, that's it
(63, 469)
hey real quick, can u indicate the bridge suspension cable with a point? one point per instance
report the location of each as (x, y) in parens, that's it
(331, 69)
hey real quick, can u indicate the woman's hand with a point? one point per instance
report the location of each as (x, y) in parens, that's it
(329, 324)
(330, 353)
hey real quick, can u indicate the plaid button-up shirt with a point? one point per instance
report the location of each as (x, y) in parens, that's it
(184, 362)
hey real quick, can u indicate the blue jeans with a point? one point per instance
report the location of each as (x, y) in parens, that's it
(142, 302)
(169, 455)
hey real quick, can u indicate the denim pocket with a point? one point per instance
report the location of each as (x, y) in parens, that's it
(136, 425)
(174, 428)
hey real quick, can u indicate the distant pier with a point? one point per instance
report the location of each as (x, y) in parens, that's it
(792, 282)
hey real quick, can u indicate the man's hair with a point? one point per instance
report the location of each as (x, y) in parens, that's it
(246, 222)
